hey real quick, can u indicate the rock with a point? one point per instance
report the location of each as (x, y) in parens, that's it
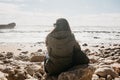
(82, 72)
(108, 62)
(87, 51)
(19, 49)
(102, 47)
(109, 77)
(117, 79)
(24, 52)
(31, 69)
(2, 67)
(37, 58)
(8, 61)
(31, 79)
(23, 57)
(95, 77)
(105, 70)
(17, 74)
(115, 44)
(36, 71)
(116, 67)
(85, 44)
(7, 69)
(2, 56)
(39, 50)
(2, 76)
(9, 55)
(93, 59)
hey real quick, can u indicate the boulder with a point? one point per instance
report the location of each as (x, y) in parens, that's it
(105, 70)
(81, 72)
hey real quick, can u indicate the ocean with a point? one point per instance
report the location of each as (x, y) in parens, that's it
(83, 34)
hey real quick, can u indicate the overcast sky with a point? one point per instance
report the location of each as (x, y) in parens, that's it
(45, 12)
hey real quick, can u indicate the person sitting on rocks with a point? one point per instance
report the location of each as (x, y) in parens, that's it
(64, 51)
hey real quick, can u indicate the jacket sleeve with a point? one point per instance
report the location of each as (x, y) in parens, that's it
(79, 57)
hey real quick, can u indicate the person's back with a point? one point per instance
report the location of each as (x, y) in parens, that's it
(61, 46)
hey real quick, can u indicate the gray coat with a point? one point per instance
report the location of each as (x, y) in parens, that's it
(64, 52)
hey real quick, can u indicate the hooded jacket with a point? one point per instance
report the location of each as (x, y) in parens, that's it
(63, 50)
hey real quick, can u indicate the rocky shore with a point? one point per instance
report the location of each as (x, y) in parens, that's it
(20, 61)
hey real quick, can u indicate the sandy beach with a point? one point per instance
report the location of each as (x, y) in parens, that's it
(24, 61)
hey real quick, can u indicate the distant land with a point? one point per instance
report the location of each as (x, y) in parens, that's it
(7, 26)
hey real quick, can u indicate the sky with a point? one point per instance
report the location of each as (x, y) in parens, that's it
(45, 12)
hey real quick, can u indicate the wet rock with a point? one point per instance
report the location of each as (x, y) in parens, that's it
(82, 72)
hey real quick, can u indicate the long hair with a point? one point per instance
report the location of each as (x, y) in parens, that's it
(61, 25)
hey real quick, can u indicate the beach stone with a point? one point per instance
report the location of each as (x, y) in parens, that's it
(2, 76)
(9, 55)
(31, 79)
(2, 67)
(2, 56)
(35, 71)
(87, 51)
(105, 70)
(7, 69)
(81, 72)
(108, 62)
(24, 52)
(17, 74)
(117, 79)
(95, 77)
(85, 44)
(7, 61)
(116, 67)
(19, 49)
(39, 50)
(31, 69)
(23, 57)
(37, 58)
(93, 59)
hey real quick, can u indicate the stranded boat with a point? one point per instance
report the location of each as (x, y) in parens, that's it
(8, 26)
